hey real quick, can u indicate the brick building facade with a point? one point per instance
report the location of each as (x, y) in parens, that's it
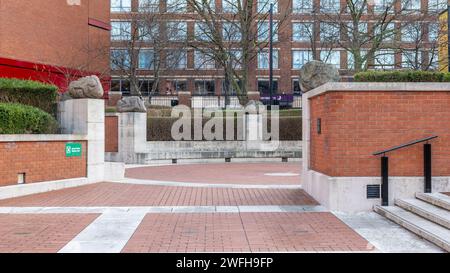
(54, 40)
(292, 48)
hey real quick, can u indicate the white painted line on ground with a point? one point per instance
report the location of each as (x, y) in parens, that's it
(202, 185)
(162, 209)
(282, 174)
(109, 233)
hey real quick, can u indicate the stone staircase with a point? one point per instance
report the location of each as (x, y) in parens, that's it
(427, 215)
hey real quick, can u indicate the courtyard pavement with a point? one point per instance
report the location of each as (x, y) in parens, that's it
(158, 214)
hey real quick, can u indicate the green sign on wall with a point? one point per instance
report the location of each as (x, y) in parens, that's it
(73, 149)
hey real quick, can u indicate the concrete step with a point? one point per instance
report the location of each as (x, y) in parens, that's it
(426, 210)
(437, 199)
(424, 228)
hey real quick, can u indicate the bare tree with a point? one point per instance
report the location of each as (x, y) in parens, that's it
(233, 37)
(147, 41)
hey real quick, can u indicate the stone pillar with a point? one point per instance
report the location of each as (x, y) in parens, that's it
(254, 95)
(132, 136)
(184, 98)
(86, 117)
(253, 127)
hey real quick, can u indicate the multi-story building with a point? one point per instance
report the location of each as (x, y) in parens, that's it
(55, 41)
(304, 30)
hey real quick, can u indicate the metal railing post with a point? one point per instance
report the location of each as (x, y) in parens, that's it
(427, 166)
(384, 181)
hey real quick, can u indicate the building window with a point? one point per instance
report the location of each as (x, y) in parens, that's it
(176, 59)
(120, 30)
(175, 86)
(302, 6)
(146, 59)
(236, 58)
(385, 59)
(232, 90)
(149, 5)
(146, 86)
(300, 58)
(360, 29)
(202, 32)
(203, 4)
(385, 31)
(205, 87)
(437, 5)
(230, 6)
(296, 89)
(412, 32)
(330, 6)
(231, 31)
(351, 59)
(176, 6)
(383, 6)
(433, 59)
(329, 32)
(120, 5)
(148, 32)
(264, 33)
(302, 32)
(263, 86)
(331, 57)
(176, 31)
(120, 59)
(120, 85)
(203, 60)
(359, 6)
(411, 5)
(433, 32)
(412, 59)
(264, 6)
(263, 59)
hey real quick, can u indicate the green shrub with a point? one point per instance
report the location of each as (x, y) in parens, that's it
(28, 92)
(402, 76)
(159, 128)
(17, 118)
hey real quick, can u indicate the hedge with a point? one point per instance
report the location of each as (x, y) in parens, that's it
(17, 118)
(28, 92)
(159, 128)
(402, 76)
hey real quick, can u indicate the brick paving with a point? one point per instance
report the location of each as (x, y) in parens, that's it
(118, 194)
(244, 232)
(227, 173)
(45, 233)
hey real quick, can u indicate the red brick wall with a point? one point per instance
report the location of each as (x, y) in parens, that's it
(54, 33)
(41, 161)
(357, 124)
(111, 134)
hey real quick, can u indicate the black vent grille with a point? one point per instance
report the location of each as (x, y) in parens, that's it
(373, 191)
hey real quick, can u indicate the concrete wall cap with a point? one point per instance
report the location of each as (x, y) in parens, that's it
(40, 138)
(379, 86)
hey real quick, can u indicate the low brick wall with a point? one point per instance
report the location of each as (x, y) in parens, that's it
(41, 158)
(111, 133)
(356, 123)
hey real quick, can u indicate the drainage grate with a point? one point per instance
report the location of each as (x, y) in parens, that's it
(373, 191)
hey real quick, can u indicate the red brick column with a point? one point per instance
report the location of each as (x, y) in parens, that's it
(184, 98)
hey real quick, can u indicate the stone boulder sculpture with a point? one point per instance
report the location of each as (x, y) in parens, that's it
(131, 104)
(254, 107)
(86, 87)
(316, 73)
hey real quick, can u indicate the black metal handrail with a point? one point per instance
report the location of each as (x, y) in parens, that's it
(385, 167)
(405, 145)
